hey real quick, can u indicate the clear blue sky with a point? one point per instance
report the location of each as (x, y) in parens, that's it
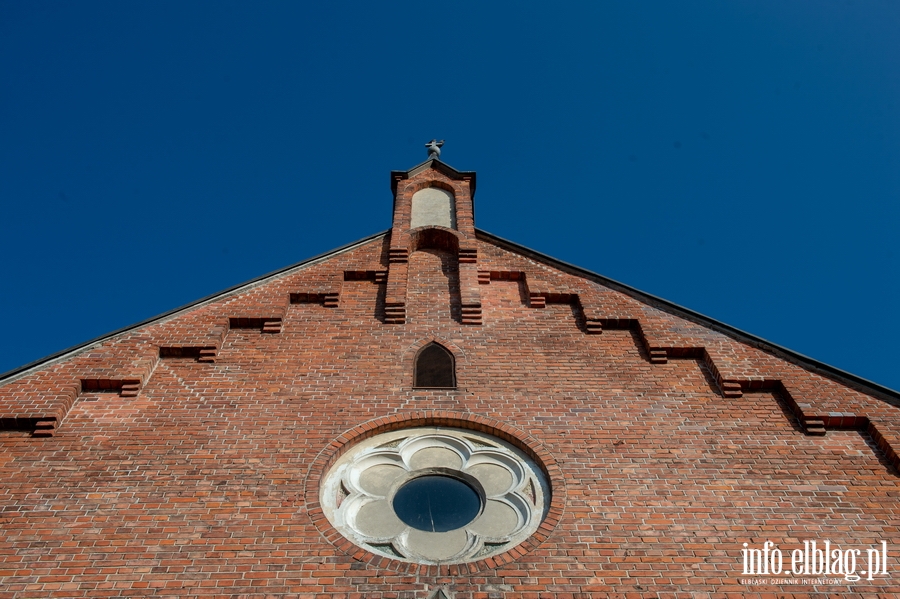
(739, 158)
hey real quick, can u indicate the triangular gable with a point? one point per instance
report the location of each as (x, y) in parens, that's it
(820, 396)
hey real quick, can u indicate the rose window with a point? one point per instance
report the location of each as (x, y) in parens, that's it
(435, 495)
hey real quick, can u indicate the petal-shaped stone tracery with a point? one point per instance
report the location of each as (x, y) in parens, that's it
(358, 494)
(495, 479)
(498, 520)
(378, 479)
(377, 520)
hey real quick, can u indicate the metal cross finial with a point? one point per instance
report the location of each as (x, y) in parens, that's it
(434, 148)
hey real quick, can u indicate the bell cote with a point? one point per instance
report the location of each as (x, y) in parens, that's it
(433, 195)
(433, 209)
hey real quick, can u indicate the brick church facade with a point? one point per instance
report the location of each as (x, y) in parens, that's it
(251, 444)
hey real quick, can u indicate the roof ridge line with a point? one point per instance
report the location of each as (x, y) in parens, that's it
(802, 360)
(16, 373)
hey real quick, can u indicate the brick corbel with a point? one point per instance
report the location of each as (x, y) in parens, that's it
(470, 294)
(127, 384)
(202, 352)
(267, 320)
(395, 293)
(328, 298)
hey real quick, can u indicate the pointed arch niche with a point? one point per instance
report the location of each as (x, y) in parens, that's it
(433, 206)
(434, 367)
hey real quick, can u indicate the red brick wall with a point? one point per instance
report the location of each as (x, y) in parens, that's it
(668, 445)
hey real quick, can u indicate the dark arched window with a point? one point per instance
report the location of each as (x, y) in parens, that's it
(434, 367)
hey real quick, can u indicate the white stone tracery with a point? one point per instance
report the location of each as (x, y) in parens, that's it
(358, 491)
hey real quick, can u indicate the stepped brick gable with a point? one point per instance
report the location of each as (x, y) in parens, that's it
(191, 455)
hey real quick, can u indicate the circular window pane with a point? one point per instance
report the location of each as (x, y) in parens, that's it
(436, 503)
